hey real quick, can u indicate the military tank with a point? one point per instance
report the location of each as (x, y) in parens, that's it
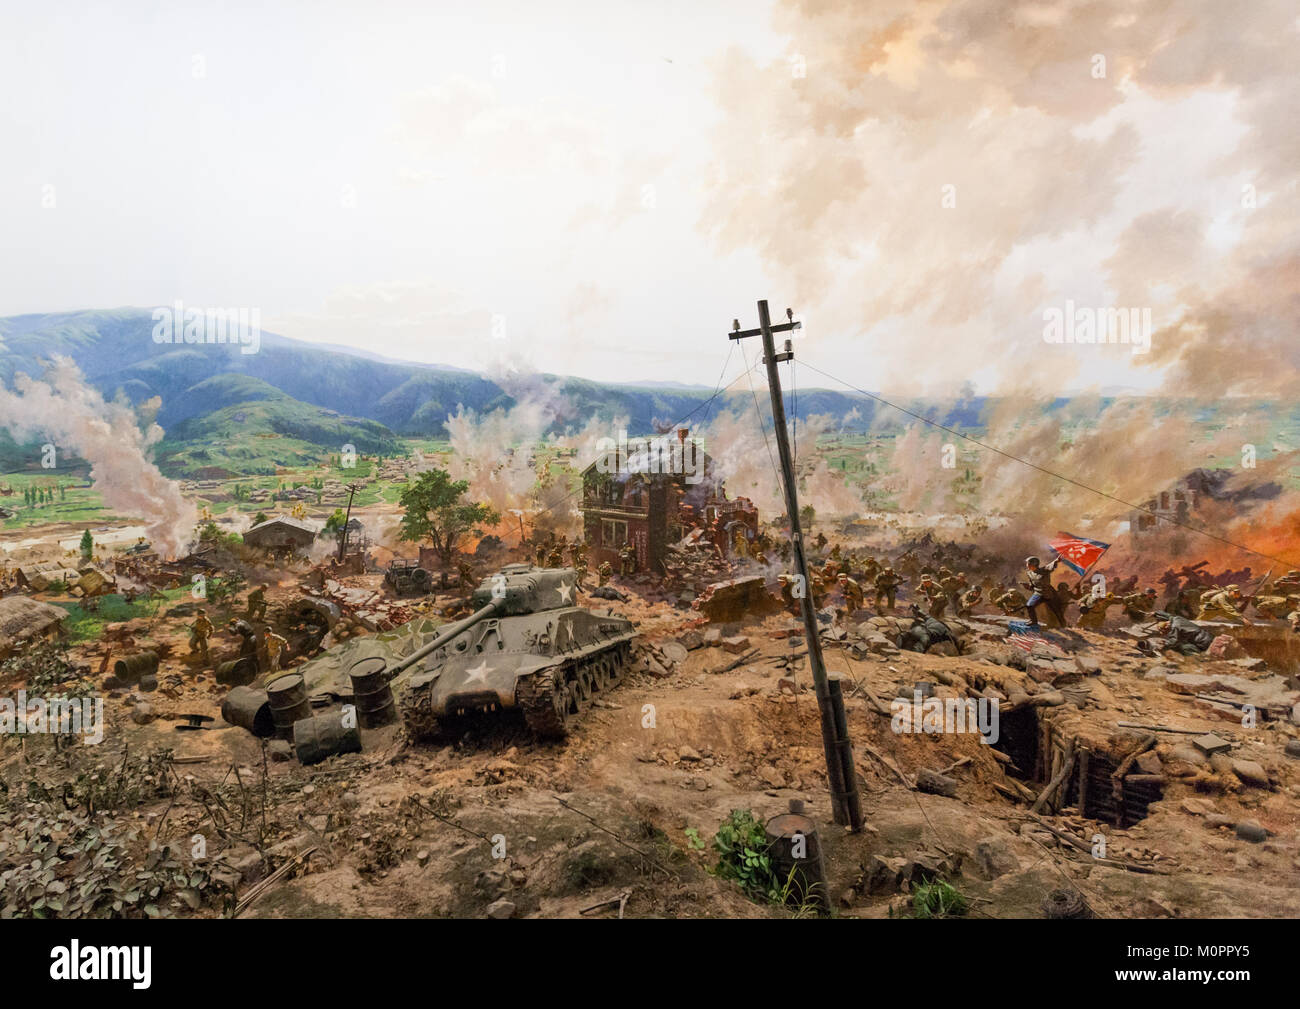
(526, 645)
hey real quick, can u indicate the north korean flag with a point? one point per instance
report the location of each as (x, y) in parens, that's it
(1079, 552)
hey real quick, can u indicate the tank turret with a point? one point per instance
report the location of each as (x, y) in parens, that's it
(526, 645)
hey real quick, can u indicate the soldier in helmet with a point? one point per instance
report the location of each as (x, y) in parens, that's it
(1225, 605)
(887, 583)
(275, 648)
(1038, 579)
(627, 560)
(199, 633)
(539, 555)
(934, 596)
(1092, 610)
(1010, 600)
(852, 592)
(555, 558)
(465, 572)
(971, 598)
(785, 584)
(257, 604)
(604, 573)
(1138, 604)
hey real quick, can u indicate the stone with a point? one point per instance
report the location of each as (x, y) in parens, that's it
(1225, 646)
(994, 858)
(1149, 763)
(1292, 748)
(1210, 744)
(687, 753)
(674, 651)
(142, 713)
(1187, 754)
(1197, 807)
(1251, 665)
(691, 640)
(1216, 820)
(279, 750)
(1252, 831)
(712, 637)
(1251, 772)
(770, 776)
(737, 644)
(500, 909)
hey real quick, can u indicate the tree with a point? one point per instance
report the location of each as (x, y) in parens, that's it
(259, 518)
(335, 522)
(806, 516)
(87, 544)
(434, 510)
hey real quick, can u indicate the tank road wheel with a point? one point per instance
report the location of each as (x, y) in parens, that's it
(600, 669)
(545, 698)
(584, 682)
(417, 715)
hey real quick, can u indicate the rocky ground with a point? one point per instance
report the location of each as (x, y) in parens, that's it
(487, 821)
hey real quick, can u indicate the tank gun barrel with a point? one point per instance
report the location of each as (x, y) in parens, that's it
(445, 635)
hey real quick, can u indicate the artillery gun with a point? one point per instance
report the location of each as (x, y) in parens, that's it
(526, 645)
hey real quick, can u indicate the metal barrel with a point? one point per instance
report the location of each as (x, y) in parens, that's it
(371, 693)
(323, 736)
(287, 696)
(796, 854)
(249, 709)
(131, 668)
(237, 672)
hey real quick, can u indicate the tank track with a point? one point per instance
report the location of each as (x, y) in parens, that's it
(417, 714)
(553, 699)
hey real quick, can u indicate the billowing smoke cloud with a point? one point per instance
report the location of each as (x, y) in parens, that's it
(108, 435)
(748, 463)
(929, 177)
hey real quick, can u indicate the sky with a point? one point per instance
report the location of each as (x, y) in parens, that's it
(598, 189)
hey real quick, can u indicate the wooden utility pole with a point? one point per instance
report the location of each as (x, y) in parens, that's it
(343, 534)
(840, 773)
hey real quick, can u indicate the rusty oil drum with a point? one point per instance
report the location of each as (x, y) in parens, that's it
(249, 709)
(796, 853)
(131, 668)
(237, 672)
(323, 736)
(371, 693)
(287, 696)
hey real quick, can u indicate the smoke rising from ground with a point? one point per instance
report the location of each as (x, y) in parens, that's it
(834, 165)
(76, 418)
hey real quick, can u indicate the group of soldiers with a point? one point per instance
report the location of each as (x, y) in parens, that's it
(274, 644)
(939, 590)
(550, 553)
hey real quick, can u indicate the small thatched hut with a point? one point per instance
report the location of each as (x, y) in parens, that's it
(23, 620)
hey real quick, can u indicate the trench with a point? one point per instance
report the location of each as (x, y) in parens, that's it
(1090, 788)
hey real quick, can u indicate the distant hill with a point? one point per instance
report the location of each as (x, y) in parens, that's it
(251, 427)
(115, 350)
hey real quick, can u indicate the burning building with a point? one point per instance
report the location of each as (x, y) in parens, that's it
(651, 492)
(1174, 505)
